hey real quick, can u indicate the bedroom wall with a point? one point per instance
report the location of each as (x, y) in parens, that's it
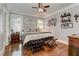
(7, 26)
(4, 32)
(62, 34)
(1, 30)
(31, 22)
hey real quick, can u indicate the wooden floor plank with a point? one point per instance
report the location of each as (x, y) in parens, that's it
(15, 49)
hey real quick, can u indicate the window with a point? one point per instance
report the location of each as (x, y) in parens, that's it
(16, 22)
(40, 24)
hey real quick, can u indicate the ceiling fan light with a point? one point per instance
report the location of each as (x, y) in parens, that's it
(40, 10)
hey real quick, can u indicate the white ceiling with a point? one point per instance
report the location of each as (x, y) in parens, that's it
(26, 8)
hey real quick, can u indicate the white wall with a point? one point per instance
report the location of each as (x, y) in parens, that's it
(7, 27)
(4, 19)
(62, 34)
(30, 22)
(1, 30)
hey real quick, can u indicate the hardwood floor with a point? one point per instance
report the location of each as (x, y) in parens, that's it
(15, 49)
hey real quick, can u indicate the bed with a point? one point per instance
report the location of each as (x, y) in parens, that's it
(35, 41)
(35, 36)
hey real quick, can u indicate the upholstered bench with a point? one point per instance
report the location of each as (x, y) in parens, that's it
(35, 45)
(51, 43)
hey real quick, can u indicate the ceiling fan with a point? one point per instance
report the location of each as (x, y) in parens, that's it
(41, 7)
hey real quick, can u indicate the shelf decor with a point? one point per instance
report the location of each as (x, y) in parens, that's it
(70, 25)
(52, 22)
(66, 21)
(76, 17)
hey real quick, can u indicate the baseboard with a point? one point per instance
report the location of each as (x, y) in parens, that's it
(64, 42)
(2, 51)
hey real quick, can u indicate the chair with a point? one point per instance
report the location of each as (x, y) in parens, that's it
(15, 37)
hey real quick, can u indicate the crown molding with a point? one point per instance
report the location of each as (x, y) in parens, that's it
(2, 51)
(46, 15)
(68, 7)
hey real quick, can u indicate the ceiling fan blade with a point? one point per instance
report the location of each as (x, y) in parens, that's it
(40, 5)
(34, 7)
(46, 6)
(44, 10)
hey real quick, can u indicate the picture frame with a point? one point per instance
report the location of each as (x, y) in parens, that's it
(63, 26)
(49, 23)
(66, 21)
(70, 25)
(52, 22)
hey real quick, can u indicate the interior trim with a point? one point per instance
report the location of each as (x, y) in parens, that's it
(68, 7)
(2, 51)
(64, 42)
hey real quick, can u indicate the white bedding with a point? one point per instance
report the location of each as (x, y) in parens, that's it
(36, 36)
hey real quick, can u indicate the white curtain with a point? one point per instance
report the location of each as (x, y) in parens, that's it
(16, 22)
(40, 24)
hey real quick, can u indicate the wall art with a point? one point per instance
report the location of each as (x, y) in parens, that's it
(70, 25)
(76, 17)
(66, 21)
(52, 22)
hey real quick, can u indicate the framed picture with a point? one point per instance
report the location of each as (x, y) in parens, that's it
(66, 21)
(63, 26)
(70, 25)
(49, 23)
(52, 22)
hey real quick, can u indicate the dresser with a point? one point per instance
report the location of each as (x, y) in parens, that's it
(15, 37)
(73, 49)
